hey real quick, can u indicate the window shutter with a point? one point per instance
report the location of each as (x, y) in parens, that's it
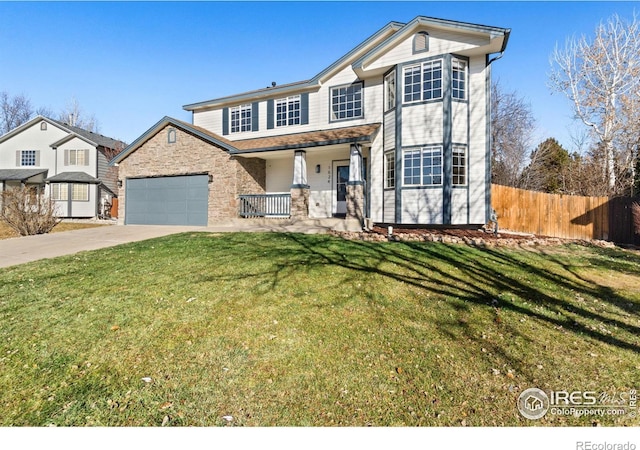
(18, 159)
(270, 112)
(254, 116)
(66, 157)
(86, 156)
(304, 108)
(225, 121)
(37, 157)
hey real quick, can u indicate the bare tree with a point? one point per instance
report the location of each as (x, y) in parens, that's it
(601, 77)
(74, 115)
(28, 211)
(512, 126)
(14, 111)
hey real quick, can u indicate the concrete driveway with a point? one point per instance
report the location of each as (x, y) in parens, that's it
(32, 248)
(25, 249)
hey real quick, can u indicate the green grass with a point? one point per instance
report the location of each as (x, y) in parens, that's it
(312, 330)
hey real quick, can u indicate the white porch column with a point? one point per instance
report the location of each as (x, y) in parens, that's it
(300, 169)
(355, 164)
(299, 188)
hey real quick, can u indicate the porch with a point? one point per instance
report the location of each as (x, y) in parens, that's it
(314, 175)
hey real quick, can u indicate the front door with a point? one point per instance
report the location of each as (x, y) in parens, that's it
(341, 177)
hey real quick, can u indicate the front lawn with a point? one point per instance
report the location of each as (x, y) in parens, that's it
(312, 330)
(7, 232)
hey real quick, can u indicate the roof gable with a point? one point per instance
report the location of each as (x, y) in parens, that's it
(372, 47)
(199, 132)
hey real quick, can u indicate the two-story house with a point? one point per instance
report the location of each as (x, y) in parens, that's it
(67, 163)
(396, 131)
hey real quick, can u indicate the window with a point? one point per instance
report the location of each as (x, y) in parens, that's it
(390, 91)
(288, 111)
(80, 192)
(459, 167)
(459, 79)
(28, 158)
(43, 126)
(389, 170)
(423, 167)
(59, 191)
(346, 102)
(171, 136)
(423, 81)
(240, 118)
(76, 157)
(421, 42)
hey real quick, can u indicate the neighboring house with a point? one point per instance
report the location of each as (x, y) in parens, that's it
(67, 163)
(395, 131)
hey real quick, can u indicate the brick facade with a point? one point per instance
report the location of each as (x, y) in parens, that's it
(189, 154)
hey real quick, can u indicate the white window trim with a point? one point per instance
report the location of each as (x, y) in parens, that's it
(57, 191)
(332, 114)
(421, 82)
(455, 67)
(389, 181)
(390, 91)
(82, 195)
(244, 123)
(460, 148)
(287, 103)
(423, 150)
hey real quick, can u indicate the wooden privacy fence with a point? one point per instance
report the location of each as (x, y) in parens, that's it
(564, 216)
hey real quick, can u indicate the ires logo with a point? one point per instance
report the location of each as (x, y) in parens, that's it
(575, 398)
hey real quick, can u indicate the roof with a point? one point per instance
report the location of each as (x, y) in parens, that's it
(93, 138)
(360, 133)
(73, 177)
(20, 174)
(199, 132)
(97, 138)
(371, 47)
(313, 83)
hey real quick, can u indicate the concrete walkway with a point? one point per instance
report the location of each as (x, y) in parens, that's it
(21, 250)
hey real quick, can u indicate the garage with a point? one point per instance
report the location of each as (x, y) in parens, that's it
(172, 200)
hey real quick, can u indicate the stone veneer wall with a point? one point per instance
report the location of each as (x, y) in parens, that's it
(355, 201)
(191, 155)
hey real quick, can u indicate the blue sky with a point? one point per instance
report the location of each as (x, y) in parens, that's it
(131, 63)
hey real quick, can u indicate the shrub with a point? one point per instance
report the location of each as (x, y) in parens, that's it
(27, 211)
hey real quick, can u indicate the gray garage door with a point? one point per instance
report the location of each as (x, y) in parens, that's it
(167, 200)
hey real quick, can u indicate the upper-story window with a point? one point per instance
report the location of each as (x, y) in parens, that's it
(28, 157)
(423, 81)
(288, 111)
(459, 79)
(390, 91)
(346, 102)
(74, 157)
(240, 118)
(421, 42)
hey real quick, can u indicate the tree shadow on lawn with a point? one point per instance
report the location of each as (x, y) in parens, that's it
(477, 281)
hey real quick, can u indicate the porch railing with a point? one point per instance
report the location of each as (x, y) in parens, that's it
(265, 205)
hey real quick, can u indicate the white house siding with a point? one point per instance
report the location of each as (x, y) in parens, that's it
(478, 182)
(376, 178)
(280, 174)
(32, 138)
(422, 124)
(459, 206)
(422, 206)
(389, 207)
(459, 122)
(440, 42)
(90, 165)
